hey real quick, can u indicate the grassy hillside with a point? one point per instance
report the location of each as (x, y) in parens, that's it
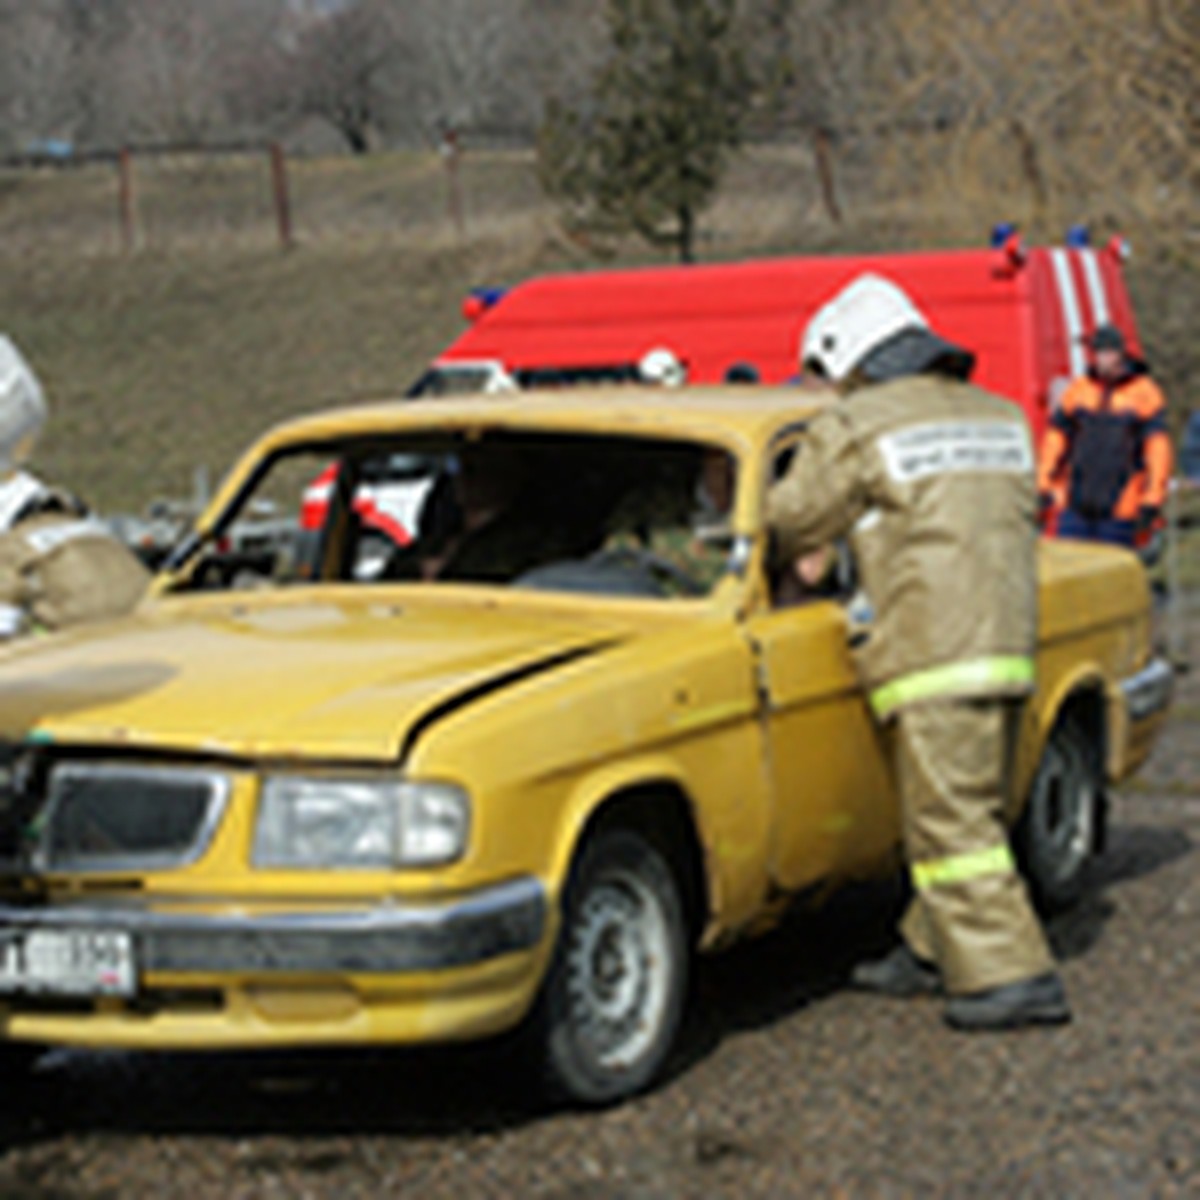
(180, 353)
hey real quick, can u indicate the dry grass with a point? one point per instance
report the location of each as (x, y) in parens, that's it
(180, 353)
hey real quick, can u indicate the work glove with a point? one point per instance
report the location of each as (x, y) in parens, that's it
(1045, 508)
(1147, 519)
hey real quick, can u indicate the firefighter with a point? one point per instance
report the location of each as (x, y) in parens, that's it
(1107, 447)
(58, 566)
(932, 480)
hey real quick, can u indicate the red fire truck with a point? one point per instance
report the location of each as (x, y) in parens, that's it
(1026, 312)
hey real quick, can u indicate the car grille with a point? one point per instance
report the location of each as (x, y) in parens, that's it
(109, 817)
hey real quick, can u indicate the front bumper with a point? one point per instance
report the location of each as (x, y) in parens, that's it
(1148, 693)
(1144, 700)
(398, 974)
(382, 941)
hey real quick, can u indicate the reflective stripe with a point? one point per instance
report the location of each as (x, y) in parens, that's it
(978, 673)
(49, 538)
(961, 868)
(16, 493)
(11, 620)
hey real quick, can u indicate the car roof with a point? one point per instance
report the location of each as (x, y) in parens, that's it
(744, 415)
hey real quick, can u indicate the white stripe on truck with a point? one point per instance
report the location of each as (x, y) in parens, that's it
(1095, 286)
(1070, 310)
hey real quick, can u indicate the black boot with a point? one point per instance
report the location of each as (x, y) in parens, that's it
(899, 973)
(1037, 1001)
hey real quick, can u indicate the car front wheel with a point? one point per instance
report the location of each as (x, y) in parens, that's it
(614, 996)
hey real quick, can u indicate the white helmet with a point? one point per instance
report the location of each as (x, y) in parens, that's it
(859, 319)
(663, 367)
(22, 407)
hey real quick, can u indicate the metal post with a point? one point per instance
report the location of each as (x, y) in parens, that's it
(126, 200)
(451, 151)
(282, 196)
(1177, 640)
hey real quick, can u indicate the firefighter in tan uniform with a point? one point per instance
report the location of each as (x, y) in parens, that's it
(58, 566)
(933, 481)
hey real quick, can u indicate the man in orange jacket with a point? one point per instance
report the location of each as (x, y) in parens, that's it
(1108, 444)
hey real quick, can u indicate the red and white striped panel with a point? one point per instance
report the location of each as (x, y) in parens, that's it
(1083, 299)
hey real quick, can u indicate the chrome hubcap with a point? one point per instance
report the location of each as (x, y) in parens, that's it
(618, 969)
(1065, 810)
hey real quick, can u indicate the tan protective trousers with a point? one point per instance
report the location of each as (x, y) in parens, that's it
(971, 912)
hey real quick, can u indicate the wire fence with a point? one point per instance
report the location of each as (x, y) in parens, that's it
(254, 195)
(781, 191)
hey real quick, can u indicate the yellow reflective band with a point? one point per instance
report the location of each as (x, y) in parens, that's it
(960, 868)
(954, 678)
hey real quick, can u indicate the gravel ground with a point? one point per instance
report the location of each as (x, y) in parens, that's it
(785, 1084)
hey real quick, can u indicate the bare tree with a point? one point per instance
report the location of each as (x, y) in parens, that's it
(101, 72)
(338, 69)
(170, 67)
(1055, 110)
(1148, 51)
(36, 59)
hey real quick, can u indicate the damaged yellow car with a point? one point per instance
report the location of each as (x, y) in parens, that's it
(510, 764)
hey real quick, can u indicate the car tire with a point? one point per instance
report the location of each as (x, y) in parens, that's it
(1059, 831)
(613, 999)
(17, 1060)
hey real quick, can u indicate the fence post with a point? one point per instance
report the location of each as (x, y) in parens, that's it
(282, 197)
(450, 149)
(126, 201)
(1178, 650)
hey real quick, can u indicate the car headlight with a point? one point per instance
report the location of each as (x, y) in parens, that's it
(368, 824)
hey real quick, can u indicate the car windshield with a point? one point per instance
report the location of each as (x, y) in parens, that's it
(553, 512)
(460, 379)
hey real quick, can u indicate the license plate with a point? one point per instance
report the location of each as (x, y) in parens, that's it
(67, 962)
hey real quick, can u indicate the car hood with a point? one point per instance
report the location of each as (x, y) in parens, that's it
(335, 679)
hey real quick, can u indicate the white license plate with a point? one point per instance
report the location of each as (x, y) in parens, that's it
(67, 962)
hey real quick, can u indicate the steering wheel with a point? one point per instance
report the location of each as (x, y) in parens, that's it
(660, 568)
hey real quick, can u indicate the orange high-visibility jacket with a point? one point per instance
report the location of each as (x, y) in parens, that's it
(1108, 446)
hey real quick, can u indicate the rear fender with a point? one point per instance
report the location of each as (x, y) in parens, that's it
(1086, 679)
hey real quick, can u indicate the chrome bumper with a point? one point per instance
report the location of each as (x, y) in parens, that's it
(1149, 691)
(384, 940)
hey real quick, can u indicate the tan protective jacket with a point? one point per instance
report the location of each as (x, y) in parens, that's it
(58, 570)
(933, 481)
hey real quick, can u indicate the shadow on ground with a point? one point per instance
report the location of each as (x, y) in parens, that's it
(465, 1091)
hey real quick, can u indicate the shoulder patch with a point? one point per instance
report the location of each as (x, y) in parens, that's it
(956, 447)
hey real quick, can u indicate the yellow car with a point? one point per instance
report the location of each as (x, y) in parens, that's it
(513, 772)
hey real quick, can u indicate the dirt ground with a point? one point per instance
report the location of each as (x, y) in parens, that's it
(786, 1083)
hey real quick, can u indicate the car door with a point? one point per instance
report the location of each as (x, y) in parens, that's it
(835, 811)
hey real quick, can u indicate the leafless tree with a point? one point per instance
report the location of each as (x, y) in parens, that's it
(36, 62)
(1043, 109)
(339, 67)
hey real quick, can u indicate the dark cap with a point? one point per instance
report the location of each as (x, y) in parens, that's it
(1107, 337)
(742, 372)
